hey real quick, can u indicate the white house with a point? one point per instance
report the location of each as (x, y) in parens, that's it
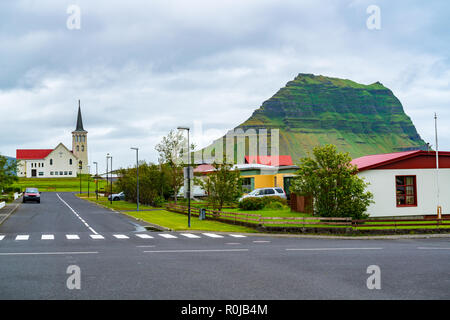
(57, 162)
(405, 183)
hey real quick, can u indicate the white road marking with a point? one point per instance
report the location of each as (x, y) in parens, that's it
(149, 246)
(120, 236)
(72, 237)
(23, 237)
(2, 237)
(330, 249)
(261, 241)
(190, 235)
(238, 236)
(96, 236)
(43, 253)
(432, 248)
(167, 236)
(47, 237)
(213, 235)
(206, 250)
(232, 243)
(144, 236)
(77, 215)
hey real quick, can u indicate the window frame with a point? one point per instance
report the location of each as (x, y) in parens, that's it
(405, 195)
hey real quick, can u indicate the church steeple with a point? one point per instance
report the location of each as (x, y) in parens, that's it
(79, 142)
(79, 119)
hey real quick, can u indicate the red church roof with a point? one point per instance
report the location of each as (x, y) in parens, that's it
(270, 160)
(29, 154)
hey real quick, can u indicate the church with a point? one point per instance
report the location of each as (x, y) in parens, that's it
(59, 162)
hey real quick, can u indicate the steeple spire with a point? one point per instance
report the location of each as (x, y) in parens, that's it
(79, 120)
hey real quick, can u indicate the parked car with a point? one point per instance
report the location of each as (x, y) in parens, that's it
(265, 192)
(117, 196)
(31, 194)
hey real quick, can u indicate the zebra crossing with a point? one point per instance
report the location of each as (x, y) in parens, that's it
(46, 237)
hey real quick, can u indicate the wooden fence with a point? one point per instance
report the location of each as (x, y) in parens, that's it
(257, 220)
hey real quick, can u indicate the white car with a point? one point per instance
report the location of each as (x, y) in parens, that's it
(265, 192)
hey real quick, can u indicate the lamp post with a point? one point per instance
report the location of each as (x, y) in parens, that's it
(89, 177)
(110, 184)
(189, 176)
(96, 179)
(107, 157)
(80, 166)
(137, 176)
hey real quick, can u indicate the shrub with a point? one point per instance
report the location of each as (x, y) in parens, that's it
(273, 199)
(276, 205)
(251, 204)
(158, 201)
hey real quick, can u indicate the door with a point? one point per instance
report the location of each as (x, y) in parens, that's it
(286, 185)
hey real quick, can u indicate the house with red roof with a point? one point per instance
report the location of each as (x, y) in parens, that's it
(58, 162)
(407, 183)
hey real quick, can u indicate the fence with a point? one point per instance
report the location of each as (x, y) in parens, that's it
(398, 223)
(339, 224)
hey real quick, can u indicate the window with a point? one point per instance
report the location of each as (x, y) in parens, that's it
(78, 148)
(56, 173)
(51, 162)
(70, 173)
(247, 184)
(51, 173)
(70, 161)
(41, 173)
(269, 191)
(82, 148)
(65, 173)
(405, 187)
(279, 190)
(60, 173)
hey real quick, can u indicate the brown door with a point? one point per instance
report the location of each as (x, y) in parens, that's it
(33, 172)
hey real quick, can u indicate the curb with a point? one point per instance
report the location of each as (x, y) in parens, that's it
(149, 226)
(10, 213)
(305, 236)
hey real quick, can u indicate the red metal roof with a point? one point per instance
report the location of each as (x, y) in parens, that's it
(270, 160)
(378, 160)
(28, 154)
(203, 168)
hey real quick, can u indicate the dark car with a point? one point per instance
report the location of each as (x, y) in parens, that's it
(117, 196)
(31, 194)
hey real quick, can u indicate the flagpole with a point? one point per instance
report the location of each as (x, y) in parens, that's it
(439, 208)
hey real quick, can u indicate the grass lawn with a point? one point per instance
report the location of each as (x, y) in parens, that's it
(57, 184)
(161, 217)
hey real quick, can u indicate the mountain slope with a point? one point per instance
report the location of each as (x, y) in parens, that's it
(315, 110)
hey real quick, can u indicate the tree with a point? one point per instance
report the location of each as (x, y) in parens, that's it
(332, 182)
(223, 185)
(8, 172)
(170, 153)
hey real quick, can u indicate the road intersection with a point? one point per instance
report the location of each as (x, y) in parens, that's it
(119, 259)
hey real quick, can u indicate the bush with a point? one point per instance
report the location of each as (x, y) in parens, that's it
(158, 201)
(251, 204)
(276, 205)
(273, 199)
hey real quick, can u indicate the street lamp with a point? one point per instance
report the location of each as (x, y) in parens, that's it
(89, 178)
(110, 184)
(80, 166)
(96, 179)
(107, 157)
(137, 176)
(189, 176)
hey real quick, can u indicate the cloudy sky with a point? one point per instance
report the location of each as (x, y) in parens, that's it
(144, 67)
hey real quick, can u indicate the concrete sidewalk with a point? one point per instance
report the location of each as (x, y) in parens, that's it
(9, 209)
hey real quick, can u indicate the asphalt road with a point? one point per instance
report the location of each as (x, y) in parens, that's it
(118, 259)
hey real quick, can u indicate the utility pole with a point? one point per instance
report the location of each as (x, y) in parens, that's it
(137, 176)
(189, 176)
(439, 208)
(89, 178)
(96, 179)
(80, 166)
(107, 160)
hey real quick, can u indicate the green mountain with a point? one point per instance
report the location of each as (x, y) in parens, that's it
(316, 110)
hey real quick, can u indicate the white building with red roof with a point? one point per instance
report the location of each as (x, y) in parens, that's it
(59, 162)
(405, 183)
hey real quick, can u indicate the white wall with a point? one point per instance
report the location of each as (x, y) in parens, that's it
(382, 185)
